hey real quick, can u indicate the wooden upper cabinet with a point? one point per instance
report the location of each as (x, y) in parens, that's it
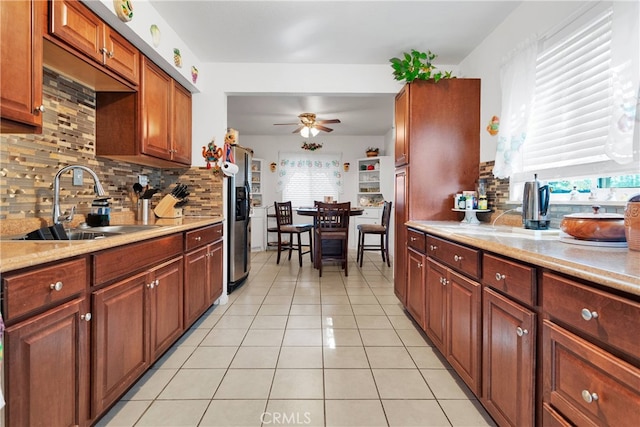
(166, 116)
(155, 93)
(181, 122)
(77, 26)
(402, 127)
(21, 58)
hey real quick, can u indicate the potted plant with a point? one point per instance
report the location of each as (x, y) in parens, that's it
(417, 65)
(372, 151)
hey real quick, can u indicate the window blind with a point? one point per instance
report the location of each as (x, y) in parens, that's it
(571, 111)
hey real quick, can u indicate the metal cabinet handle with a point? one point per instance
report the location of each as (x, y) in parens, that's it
(198, 238)
(56, 286)
(39, 109)
(520, 332)
(444, 281)
(588, 314)
(457, 258)
(151, 285)
(85, 317)
(500, 276)
(433, 247)
(413, 239)
(419, 265)
(589, 397)
(110, 54)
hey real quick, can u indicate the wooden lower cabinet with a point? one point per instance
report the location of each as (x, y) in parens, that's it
(508, 368)
(136, 320)
(400, 246)
(119, 348)
(453, 320)
(203, 275)
(587, 385)
(416, 268)
(47, 368)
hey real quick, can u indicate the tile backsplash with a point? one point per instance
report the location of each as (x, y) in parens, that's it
(29, 162)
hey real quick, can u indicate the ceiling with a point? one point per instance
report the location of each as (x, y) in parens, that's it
(331, 32)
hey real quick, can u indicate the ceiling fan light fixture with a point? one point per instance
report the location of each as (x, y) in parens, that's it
(314, 131)
(304, 132)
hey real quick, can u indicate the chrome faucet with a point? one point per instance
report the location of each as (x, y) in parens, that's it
(57, 218)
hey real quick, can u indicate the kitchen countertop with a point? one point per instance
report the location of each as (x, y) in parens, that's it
(26, 253)
(617, 268)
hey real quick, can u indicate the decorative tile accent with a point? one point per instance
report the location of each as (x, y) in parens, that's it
(29, 162)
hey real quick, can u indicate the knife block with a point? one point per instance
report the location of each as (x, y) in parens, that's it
(166, 208)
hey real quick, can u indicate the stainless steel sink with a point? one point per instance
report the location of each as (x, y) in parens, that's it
(117, 229)
(93, 233)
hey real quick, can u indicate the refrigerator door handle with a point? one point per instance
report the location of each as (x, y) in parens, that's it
(247, 201)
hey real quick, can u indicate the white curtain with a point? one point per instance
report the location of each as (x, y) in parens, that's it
(625, 74)
(517, 80)
(308, 176)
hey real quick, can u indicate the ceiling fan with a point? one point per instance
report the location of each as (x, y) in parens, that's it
(309, 125)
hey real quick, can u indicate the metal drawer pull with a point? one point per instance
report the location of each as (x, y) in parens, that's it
(457, 258)
(56, 286)
(197, 239)
(520, 332)
(419, 265)
(444, 281)
(589, 397)
(433, 247)
(500, 276)
(85, 317)
(588, 314)
(39, 109)
(151, 285)
(413, 239)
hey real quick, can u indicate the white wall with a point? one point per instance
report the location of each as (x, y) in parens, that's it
(484, 62)
(268, 147)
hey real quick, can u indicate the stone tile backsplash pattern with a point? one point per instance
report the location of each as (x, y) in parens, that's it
(29, 162)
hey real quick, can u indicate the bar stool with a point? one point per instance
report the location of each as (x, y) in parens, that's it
(284, 222)
(332, 225)
(382, 229)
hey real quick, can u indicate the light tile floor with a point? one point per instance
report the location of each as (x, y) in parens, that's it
(291, 348)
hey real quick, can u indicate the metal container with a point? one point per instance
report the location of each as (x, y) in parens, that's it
(535, 204)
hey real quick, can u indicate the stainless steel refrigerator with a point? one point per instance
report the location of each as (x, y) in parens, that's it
(239, 220)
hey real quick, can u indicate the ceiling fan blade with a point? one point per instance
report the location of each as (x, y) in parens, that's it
(285, 124)
(324, 122)
(323, 128)
(298, 129)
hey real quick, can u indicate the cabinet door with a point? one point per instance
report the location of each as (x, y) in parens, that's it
(215, 271)
(508, 348)
(48, 375)
(436, 298)
(73, 23)
(181, 125)
(119, 349)
(416, 286)
(121, 56)
(21, 58)
(156, 100)
(400, 255)
(165, 306)
(196, 282)
(402, 127)
(464, 333)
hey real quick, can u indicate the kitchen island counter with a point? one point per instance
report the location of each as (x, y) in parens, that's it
(616, 268)
(27, 253)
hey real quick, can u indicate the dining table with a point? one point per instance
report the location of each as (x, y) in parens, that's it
(329, 246)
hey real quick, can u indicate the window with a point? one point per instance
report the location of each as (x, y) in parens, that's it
(582, 129)
(306, 177)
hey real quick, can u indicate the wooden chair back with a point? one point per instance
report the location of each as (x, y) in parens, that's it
(284, 213)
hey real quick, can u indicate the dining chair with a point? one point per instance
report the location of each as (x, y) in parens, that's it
(285, 225)
(332, 225)
(381, 229)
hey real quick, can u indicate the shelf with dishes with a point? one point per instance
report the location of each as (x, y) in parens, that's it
(371, 181)
(256, 182)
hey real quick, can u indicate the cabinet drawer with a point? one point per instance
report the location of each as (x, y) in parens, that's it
(119, 262)
(609, 318)
(462, 258)
(416, 240)
(202, 236)
(587, 385)
(42, 287)
(512, 278)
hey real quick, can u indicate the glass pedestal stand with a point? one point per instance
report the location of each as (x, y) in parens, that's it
(470, 215)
